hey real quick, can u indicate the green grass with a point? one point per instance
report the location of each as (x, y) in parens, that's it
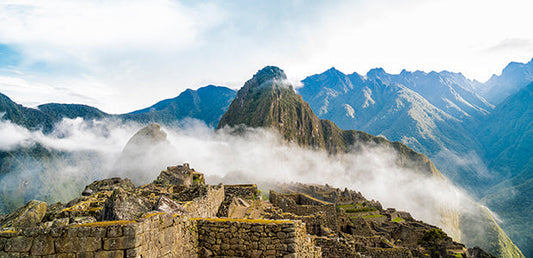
(398, 219)
(364, 209)
(374, 216)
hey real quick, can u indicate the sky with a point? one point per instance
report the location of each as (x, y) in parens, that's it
(124, 55)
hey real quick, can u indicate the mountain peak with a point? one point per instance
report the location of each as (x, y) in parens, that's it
(376, 73)
(334, 70)
(269, 73)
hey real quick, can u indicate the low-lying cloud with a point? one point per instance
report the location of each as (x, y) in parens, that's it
(83, 151)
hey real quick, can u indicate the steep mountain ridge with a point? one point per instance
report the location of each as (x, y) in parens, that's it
(268, 100)
(30, 118)
(513, 78)
(207, 104)
(381, 106)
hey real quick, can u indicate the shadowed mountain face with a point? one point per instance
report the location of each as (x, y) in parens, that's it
(27, 117)
(207, 104)
(268, 100)
(513, 78)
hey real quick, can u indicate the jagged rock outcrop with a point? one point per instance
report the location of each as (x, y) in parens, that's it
(165, 204)
(122, 205)
(108, 185)
(180, 175)
(29, 215)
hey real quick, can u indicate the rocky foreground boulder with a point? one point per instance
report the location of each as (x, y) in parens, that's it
(29, 215)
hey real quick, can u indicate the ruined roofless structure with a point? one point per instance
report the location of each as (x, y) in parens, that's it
(178, 215)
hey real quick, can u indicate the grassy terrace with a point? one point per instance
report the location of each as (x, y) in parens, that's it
(363, 209)
(398, 219)
(374, 216)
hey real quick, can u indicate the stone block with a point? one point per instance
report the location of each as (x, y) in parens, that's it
(71, 255)
(77, 244)
(288, 229)
(114, 231)
(134, 252)
(256, 254)
(85, 255)
(57, 232)
(109, 254)
(133, 229)
(73, 232)
(281, 247)
(30, 232)
(269, 252)
(9, 255)
(166, 220)
(291, 248)
(92, 232)
(126, 242)
(42, 245)
(18, 244)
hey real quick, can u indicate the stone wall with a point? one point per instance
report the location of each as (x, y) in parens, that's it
(164, 235)
(206, 206)
(246, 191)
(305, 205)
(158, 235)
(254, 238)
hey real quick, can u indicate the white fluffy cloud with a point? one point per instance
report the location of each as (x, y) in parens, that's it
(77, 25)
(141, 51)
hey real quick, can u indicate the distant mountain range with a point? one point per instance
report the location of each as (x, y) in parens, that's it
(478, 134)
(207, 104)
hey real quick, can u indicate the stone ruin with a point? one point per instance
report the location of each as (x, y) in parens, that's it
(178, 215)
(180, 175)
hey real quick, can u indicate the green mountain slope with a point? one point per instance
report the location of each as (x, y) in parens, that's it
(507, 136)
(207, 104)
(30, 118)
(56, 111)
(267, 100)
